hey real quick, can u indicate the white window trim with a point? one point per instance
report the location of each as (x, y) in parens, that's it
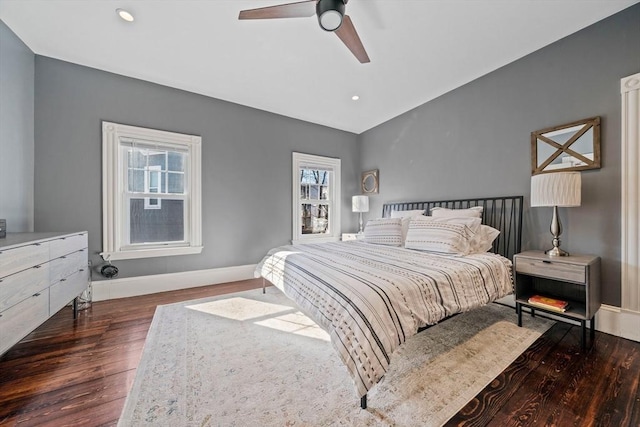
(112, 227)
(300, 159)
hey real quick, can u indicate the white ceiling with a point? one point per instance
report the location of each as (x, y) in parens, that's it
(419, 49)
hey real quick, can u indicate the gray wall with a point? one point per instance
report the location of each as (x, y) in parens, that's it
(16, 131)
(246, 162)
(474, 141)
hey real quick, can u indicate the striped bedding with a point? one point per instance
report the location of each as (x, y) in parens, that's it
(371, 298)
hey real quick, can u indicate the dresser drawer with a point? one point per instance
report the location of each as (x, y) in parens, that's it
(18, 321)
(551, 269)
(67, 265)
(23, 257)
(22, 285)
(68, 244)
(62, 292)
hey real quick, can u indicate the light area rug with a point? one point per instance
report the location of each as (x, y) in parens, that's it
(253, 359)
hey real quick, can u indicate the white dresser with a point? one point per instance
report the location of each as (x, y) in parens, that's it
(39, 274)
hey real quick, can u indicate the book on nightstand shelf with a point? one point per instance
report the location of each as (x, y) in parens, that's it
(549, 303)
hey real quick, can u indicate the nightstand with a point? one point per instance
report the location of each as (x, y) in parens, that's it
(575, 279)
(352, 236)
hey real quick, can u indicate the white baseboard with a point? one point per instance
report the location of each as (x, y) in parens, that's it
(143, 285)
(609, 319)
(619, 322)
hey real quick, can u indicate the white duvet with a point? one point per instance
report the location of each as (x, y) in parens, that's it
(371, 298)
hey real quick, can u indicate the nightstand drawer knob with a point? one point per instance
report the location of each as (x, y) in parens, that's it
(546, 262)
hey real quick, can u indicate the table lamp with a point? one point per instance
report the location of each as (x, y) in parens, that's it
(558, 189)
(360, 204)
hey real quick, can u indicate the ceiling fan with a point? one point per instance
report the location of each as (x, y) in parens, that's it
(330, 16)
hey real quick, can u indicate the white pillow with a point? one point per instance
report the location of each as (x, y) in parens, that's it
(441, 237)
(407, 214)
(483, 241)
(439, 212)
(406, 218)
(471, 222)
(384, 231)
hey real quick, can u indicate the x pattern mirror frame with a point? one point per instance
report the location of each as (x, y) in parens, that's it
(545, 136)
(370, 182)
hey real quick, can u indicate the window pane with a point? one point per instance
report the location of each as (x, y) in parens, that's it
(324, 192)
(176, 183)
(136, 180)
(314, 176)
(157, 158)
(315, 218)
(176, 161)
(156, 225)
(136, 159)
(163, 183)
(304, 191)
(314, 192)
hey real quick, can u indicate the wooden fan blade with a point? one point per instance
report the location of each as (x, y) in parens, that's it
(302, 9)
(349, 36)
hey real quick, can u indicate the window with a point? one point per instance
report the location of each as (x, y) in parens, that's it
(316, 198)
(151, 192)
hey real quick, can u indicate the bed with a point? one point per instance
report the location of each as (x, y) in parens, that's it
(371, 296)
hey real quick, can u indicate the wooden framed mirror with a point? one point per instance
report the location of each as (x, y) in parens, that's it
(370, 182)
(570, 147)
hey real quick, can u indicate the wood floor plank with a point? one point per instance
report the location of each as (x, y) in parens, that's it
(531, 404)
(78, 372)
(481, 409)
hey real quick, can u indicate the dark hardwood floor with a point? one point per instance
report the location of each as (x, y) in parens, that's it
(78, 373)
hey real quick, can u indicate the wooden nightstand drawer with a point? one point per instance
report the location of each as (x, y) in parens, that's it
(551, 269)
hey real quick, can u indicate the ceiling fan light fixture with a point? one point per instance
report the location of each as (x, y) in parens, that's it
(330, 13)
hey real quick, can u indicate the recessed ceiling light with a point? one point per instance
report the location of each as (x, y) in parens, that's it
(127, 16)
(355, 97)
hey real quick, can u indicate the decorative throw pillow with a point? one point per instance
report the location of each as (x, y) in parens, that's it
(406, 218)
(441, 237)
(439, 212)
(483, 241)
(384, 231)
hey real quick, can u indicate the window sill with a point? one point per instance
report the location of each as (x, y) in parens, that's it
(151, 253)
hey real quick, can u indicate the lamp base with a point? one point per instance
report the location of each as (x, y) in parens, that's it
(556, 231)
(556, 252)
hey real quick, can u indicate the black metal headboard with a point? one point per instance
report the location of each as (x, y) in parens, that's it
(502, 213)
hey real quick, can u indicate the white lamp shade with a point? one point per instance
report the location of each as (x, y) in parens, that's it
(360, 203)
(562, 189)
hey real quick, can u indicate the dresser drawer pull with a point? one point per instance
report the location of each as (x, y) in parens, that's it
(37, 294)
(546, 262)
(82, 269)
(36, 244)
(37, 266)
(63, 280)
